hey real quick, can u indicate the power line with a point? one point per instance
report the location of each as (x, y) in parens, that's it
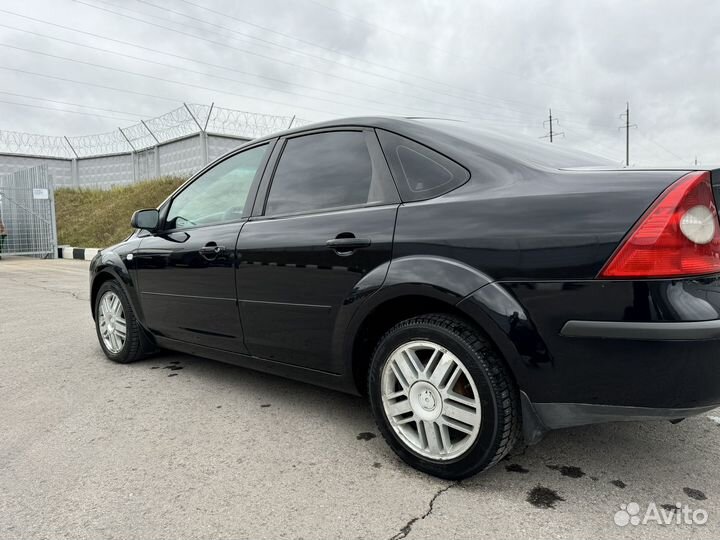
(140, 59)
(502, 121)
(658, 157)
(272, 43)
(394, 69)
(593, 141)
(165, 53)
(146, 60)
(171, 81)
(246, 51)
(101, 66)
(670, 152)
(105, 87)
(17, 104)
(457, 53)
(120, 70)
(25, 96)
(294, 65)
(206, 74)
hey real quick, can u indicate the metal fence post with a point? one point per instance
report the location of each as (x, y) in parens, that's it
(156, 149)
(202, 139)
(74, 172)
(133, 157)
(157, 161)
(54, 241)
(203, 148)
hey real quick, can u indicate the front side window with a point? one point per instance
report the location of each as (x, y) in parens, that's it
(322, 171)
(219, 195)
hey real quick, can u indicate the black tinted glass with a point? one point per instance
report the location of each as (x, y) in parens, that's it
(322, 171)
(420, 172)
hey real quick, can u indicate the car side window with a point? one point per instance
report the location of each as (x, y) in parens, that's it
(324, 171)
(420, 172)
(219, 195)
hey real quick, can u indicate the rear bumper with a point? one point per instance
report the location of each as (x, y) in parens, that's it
(593, 351)
(539, 418)
(562, 415)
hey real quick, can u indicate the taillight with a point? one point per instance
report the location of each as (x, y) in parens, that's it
(679, 235)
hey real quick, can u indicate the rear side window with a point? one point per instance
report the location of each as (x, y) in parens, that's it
(321, 171)
(420, 173)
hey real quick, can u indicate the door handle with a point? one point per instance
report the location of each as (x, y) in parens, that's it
(211, 251)
(345, 246)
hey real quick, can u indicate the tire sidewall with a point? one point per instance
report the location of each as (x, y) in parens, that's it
(484, 446)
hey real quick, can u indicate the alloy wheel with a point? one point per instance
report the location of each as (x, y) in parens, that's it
(430, 400)
(113, 326)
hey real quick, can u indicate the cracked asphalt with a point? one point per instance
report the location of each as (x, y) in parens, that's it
(180, 447)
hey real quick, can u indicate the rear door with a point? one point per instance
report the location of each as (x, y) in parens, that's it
(186, 272)
(323, 221)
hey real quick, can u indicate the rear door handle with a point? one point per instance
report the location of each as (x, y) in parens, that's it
(345, 246)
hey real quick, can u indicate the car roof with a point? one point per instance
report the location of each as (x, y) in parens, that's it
(456, 137)
(384, 122)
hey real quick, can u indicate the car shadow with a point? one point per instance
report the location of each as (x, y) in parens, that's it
(597, 462)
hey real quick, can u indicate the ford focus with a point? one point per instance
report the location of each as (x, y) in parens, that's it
(480, 289)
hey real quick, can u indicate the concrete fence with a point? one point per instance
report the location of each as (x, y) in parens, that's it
(178, 143)
(179, 157)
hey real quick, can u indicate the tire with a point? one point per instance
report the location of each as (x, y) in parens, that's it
(420, 418)
(136, 344)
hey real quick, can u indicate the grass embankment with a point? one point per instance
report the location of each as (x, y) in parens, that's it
(100, 218)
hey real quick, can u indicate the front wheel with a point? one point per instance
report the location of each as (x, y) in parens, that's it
(442, 397)
(120, 335)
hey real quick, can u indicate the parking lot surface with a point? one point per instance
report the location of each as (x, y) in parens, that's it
(182, 447)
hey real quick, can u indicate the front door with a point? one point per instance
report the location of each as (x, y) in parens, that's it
(328, 221)
(186, 272)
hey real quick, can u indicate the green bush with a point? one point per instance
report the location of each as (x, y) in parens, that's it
(100, 218)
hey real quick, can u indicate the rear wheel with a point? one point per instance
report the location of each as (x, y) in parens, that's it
(442, 397)
(120, 335)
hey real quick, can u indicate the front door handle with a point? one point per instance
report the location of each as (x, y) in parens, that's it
(211, 251)
(345, 246)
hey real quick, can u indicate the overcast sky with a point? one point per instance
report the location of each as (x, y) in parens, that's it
(499, 63)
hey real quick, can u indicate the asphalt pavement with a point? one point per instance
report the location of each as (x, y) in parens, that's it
(181, 447)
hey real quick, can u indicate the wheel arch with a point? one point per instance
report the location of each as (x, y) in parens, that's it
(490, 309)
(109, 266)
(100, 278)
(385, 314)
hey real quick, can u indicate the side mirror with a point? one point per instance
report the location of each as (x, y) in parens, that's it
(146, 219)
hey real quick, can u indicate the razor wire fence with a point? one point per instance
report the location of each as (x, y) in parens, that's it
(177, 143)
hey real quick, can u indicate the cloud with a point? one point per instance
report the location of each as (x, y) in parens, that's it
(502, 64)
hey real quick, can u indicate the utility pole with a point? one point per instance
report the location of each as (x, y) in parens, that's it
(627, 127)
(549, 122)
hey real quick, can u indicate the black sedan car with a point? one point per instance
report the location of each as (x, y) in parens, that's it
(477, 287)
